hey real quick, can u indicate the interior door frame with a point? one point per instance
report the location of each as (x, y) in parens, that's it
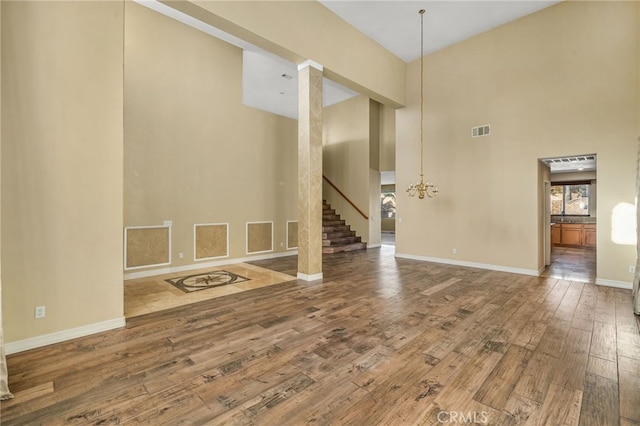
(547, 222)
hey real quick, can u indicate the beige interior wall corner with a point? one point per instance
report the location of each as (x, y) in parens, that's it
(300, 30)
(62, 147)
(535, 82)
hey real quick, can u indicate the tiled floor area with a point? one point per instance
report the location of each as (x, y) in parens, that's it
(152, 294)
(572, 263)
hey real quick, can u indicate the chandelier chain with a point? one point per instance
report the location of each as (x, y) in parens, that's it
(421, 91)
(422, 188)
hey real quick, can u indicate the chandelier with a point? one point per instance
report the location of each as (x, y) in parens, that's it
(422, 188)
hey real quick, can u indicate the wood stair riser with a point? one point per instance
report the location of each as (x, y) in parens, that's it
(350, 247)
(338, 234)
(341, 241)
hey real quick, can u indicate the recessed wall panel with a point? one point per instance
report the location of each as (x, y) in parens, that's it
(292, 234)
(147, 246)
(211, 240)
(259, 237)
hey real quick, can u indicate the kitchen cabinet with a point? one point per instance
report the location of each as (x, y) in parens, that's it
(574, 234)
(571, 234)
(556, 234)
(589, 235)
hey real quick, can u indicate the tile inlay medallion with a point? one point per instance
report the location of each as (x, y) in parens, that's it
(206, 280)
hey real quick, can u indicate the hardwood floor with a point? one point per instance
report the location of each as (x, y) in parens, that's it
(379, 341)
(572, 263)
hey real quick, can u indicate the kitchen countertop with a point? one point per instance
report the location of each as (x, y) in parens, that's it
(574, 219)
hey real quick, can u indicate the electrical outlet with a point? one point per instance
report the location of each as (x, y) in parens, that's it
(632, 269)
(454, 251)
(180, 255)
(39, 312)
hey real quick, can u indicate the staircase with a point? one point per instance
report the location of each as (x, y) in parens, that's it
(336, 235)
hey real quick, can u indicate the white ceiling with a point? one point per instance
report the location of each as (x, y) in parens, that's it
(396, 24)
(393, 24)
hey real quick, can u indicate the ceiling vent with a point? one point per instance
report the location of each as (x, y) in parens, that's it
(476, 132)
(572, 164)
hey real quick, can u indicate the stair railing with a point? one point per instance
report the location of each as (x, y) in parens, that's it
(345, 197)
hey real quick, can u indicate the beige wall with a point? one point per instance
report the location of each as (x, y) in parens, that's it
(388, 225)
(193, 153)
(61, 165)
(346, 160)
(301, 30)
(572, 176)
(387, 139)
(563, 81)
(375, 136)
(375, 221)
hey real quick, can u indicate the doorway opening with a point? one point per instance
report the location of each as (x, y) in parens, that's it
(388, 209)
(570, 211)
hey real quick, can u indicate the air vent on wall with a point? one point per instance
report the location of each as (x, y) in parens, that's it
(476, 132)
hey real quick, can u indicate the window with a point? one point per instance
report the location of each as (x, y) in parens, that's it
(570, 199)
(388, 200)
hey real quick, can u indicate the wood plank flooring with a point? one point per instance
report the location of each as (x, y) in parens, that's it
(572, 263)
(380, 341)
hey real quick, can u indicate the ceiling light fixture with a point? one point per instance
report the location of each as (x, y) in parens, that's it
(422, 188)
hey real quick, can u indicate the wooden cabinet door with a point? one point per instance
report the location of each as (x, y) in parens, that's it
(556, 234)
(572, 234)
(589, 236)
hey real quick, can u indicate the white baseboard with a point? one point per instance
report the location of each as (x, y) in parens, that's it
(490, 267)
(617, 284)
(312, 277)
(211, 264)
(61, 336)
(374, 245)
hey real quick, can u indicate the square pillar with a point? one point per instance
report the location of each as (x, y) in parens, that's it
(309, 171)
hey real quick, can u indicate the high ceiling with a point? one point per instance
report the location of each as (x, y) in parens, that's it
(396, 24)
(393, 24)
